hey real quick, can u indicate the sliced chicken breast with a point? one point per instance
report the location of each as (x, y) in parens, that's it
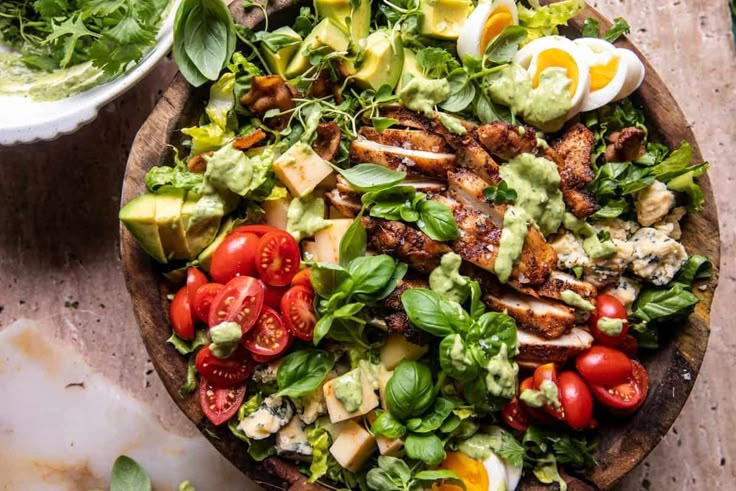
(535, 350)
(543, 317)
(416, 162)
(408, 139)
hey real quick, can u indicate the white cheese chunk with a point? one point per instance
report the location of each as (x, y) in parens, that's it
(397, 348)
(353, 446)
(292, 441)
(657, 257)
(570, 252)
(272, 415)
(653, 202)
(337, 410)
(275, 212)
(670, 224)
(382, 382)
(327, 241)
(300, 169)
(626, 291)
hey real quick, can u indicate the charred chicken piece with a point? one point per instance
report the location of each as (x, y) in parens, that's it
(543, 317)
(626, 145)
(407, 139)
(416, 162)
(270, 92)
(247, 141)
(535, 350)
(559, 282)
(506, 141)
(328, 140)
(347, 204)
(573, 155)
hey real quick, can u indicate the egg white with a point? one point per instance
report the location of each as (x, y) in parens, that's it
(600, 52)
(635, 73)
(497, 479)
(468, 43)
(513, 472)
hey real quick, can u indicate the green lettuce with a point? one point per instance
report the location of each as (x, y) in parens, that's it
(319, 440)
(544, 20)
(216, 133)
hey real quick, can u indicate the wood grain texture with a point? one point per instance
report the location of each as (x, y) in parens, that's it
(623, 444)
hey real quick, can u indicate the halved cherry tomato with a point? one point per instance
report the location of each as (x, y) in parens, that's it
(548, 372)
(273, 295)
(627, 397)
(576, 399)
(303, 277)
(514, 414)
(263, 358)
(219, 404)
(203, 299)
(258, 229)
(180, 314)
(612, 308)
(225, 372)
(236, 256)
(601, 365)
(269, 337)
(277, 258)
(298, 311)
(241, 301)
(536, 414)
(195, 279)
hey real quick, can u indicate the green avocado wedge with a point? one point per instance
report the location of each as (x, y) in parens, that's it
(341, 10)
(139, 217)
(383, 61)
(326, 34)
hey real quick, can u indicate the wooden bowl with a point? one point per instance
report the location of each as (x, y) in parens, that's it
(622, 443)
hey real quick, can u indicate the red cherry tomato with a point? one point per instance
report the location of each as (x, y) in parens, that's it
(203, 299)
(269, 337)
(536, 414)
(195, 279)
(629, 346)
(241, 301)
(548, 372)
(263, 358)
(602, 365)
(225, 372)
(236, 256)
(180, 314)
(627, 397)
(298, 311)
(514, 414)
(577, 402)
(219, 404)
(277, 258)
(303, 278)
(273, 295)
(258, 229)
(612, 308)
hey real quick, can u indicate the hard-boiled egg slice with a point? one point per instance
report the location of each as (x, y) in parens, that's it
(607, 72)
(634, 72)
(559, 52)
(513, 472)
(477, 475)
(487, 21)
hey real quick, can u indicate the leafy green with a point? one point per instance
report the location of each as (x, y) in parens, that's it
(499, 194)
(393, 474)
(185, 347)
(319, 440)
(562, 446)
(301, 372)
(409, 391)
(697, 267)
(658, 303)
(371, 177)
(258, 450)
(544, 20)
(592, 29)
(128, 475)
(504, 46)
(432, 420)
(387, 426)
(436, 62)
(382, 124)
(190, 384)
(426, 447)
(216, 132)
(177, 176)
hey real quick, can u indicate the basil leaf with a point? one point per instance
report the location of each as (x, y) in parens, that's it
(503, 48)
(371, 273)
(276, 40)
(209, 36)
(462, 92)
(409, 391)
(379, 480)
(395, 467)
(612, 209)
(382, 124)
(440, 475)
(658, 303)
(457, 360)
(437, 221)
(492, 330)
(371, 177)
(328, 279)
(591, 28)
(430, 422)
(695, 268)
(128, 475)
(349, 310)
(186, 66)
(424, 309)
(353, 244)
(477, 307)
(323, 326)
(387, 426)
(619, 28)
(394, 194)
(348, 330)
(426, 447)
(301, 372)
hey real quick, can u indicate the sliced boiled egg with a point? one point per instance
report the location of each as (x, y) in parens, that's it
(614, 72)
(513, 472)
(487, 21)
(557, 52)
(477, 475)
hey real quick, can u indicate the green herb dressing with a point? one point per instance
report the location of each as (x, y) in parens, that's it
(452, 124)
(593, 246)
(446, 279)
(225, 338)
(573, 299)
(422, 94)
(501, 376)
(305, 216)
(515, 226)
(479, 446)
(18, 80)
(609, 326)
(349, 390)
(546, 395)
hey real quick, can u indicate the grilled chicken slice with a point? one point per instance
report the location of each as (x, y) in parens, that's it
(573, 154)
(417, 162)
(404, 243)
(543, 317)
(559, 282)
(347, 204)
(506, 141)
(393, 301)
(535, 351)
(466, 187)
(470, 154)
(407, 139)
(406, 118)
(625, 145)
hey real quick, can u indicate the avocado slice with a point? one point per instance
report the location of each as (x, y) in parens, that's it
(278, 60)
(383, 60)
(443, 19)
(139, 217)
(171, 228)
(325, 34)
(205, 257)
(339, 10)
(410, 69)
(200, 232)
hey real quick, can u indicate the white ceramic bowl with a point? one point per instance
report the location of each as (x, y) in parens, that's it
(24, 120)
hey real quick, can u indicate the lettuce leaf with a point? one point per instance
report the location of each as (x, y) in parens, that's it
(319, 440)
(216, 133)
(544, 20)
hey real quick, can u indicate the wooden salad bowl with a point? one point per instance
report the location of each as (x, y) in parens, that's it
(622, 443)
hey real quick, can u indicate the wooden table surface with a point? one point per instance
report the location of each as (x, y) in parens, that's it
(59, 259)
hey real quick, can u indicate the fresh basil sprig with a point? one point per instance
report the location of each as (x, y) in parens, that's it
(394, 474)
(410, 390)
(204, 39)
(301, 372)
(370, 177)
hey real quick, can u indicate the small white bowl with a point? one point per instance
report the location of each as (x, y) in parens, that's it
(24, 120)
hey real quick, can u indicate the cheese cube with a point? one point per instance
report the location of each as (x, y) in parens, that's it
(327, 241)
(335, 408)
(309, 250)
(382, 382)
(397, 348)
(353, 446)
(300, 169)
(276, 212)
(386, 446)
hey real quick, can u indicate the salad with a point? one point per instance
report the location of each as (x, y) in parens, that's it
(422, 243)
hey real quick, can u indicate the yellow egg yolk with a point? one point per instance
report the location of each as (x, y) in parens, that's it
(499, 20)
(472, 472)
(601, 75)
(555, 57)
